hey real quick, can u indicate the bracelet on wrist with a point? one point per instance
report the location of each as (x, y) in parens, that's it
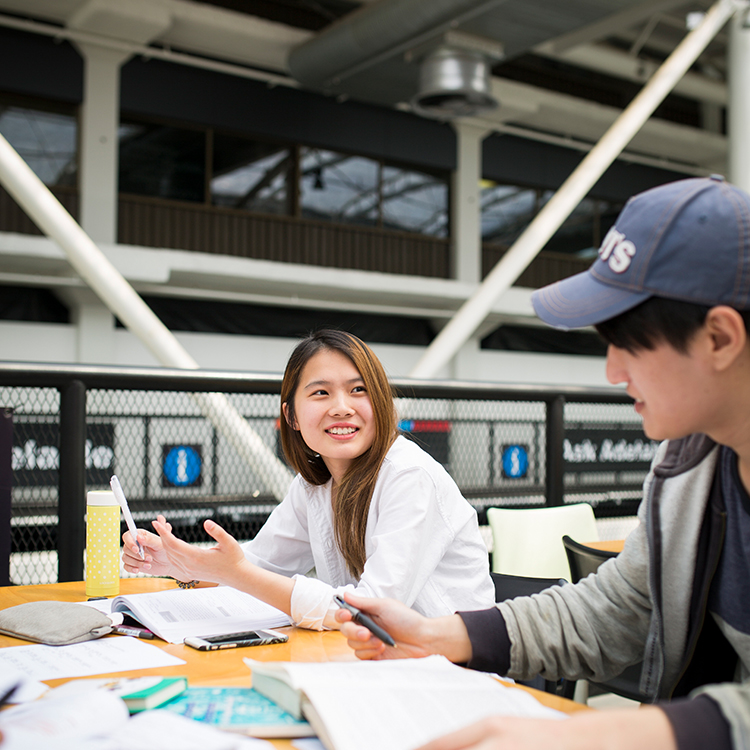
(186, 584)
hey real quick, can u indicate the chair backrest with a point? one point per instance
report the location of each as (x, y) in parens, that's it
(528, 541)
(509, 587)
(584, 560)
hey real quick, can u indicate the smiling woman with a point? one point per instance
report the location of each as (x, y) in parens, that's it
(369, 510)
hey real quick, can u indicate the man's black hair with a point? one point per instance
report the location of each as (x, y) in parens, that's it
(655, 321)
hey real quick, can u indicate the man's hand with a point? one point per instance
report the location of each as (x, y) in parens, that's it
(415, 635)
(646, 728)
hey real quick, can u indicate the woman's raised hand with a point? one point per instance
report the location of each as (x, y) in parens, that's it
(221, 563)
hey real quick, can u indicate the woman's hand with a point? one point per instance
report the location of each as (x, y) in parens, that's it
(222, 563)
(155, 560)
(415, 635)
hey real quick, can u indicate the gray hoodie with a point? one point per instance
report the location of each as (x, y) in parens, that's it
(640, 605)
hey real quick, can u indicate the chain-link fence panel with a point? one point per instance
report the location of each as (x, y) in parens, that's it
(193, 455)
(34, 465)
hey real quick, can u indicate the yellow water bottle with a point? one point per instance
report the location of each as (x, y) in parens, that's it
(102, 544)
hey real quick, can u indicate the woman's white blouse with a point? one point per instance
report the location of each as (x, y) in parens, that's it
(423, 543)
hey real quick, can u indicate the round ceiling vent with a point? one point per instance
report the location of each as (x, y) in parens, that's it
(454, 83)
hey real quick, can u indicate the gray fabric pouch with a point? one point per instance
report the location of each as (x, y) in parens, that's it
(54, 623)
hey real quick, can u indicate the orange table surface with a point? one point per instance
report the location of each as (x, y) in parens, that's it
(216, 668)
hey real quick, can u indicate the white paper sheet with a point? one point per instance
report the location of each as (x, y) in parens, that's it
(103, 656)
(99, 721)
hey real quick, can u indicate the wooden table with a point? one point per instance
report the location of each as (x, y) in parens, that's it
(610, 545)
(215, 668)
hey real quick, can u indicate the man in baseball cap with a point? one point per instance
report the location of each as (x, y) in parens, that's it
(687, 240)
(670, 293)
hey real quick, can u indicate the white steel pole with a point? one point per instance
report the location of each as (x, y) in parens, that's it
(572, 191)
(738, 114)
(101, 275)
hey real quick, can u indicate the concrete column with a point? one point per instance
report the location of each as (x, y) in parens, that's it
(466, 228)
(95, 326)
(738, 121)
(466, 210)
(465, 364)
(100, 119)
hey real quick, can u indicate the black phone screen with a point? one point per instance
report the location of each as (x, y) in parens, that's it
(231, 637)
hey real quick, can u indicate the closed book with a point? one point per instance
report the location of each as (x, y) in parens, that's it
(142, 693)
(273, 680)
(238, 709)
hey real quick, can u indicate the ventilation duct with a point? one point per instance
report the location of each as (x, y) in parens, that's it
(454, 82)
(370, 55)
(366, 55)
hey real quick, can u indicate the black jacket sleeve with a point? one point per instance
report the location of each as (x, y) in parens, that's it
(490, 643)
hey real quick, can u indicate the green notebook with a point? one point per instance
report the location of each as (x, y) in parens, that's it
(238, 709)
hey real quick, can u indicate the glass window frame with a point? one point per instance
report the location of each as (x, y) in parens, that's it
(601, 208)
(294, 202)
(55, 107)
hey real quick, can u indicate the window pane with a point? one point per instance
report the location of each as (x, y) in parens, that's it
(506, 212)
(46, 141)
(415, 202)
(584, 230)
(508, 209)
(337, 187)
(162, 161)
(250, 174)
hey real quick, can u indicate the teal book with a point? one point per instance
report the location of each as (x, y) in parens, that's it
(238, 709)
(144, 693)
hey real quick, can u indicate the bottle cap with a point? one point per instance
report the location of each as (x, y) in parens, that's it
(101, 497)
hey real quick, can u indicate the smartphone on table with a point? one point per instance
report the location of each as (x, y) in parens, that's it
(236, 640)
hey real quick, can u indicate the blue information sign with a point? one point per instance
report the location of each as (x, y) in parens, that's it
(182, 465)
(515, 461)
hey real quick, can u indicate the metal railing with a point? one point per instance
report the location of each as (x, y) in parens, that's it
(505, 445)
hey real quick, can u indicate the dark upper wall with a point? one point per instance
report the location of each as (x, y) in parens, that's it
(38, 66)
(163, 89)
(525, 162)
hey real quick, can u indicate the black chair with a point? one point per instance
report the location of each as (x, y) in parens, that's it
(509, 587)
(583, 561)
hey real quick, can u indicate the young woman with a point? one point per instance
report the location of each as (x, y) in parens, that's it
(369, 510)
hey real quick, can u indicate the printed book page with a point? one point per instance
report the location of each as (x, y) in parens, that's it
(176, 614)
(403, 703)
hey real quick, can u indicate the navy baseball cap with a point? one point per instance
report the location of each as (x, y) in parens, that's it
(687, 240)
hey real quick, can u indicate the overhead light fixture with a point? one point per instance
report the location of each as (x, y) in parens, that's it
(454, 76)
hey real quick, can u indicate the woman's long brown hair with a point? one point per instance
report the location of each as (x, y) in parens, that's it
(352, 498)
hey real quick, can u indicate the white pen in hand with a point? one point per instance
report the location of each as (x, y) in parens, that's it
(114, 483)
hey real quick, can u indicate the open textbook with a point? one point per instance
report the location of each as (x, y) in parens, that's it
(398, 704)
(176, 614)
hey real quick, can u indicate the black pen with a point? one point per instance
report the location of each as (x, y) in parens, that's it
(5, 697)
(361, 618)
(137, 632)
